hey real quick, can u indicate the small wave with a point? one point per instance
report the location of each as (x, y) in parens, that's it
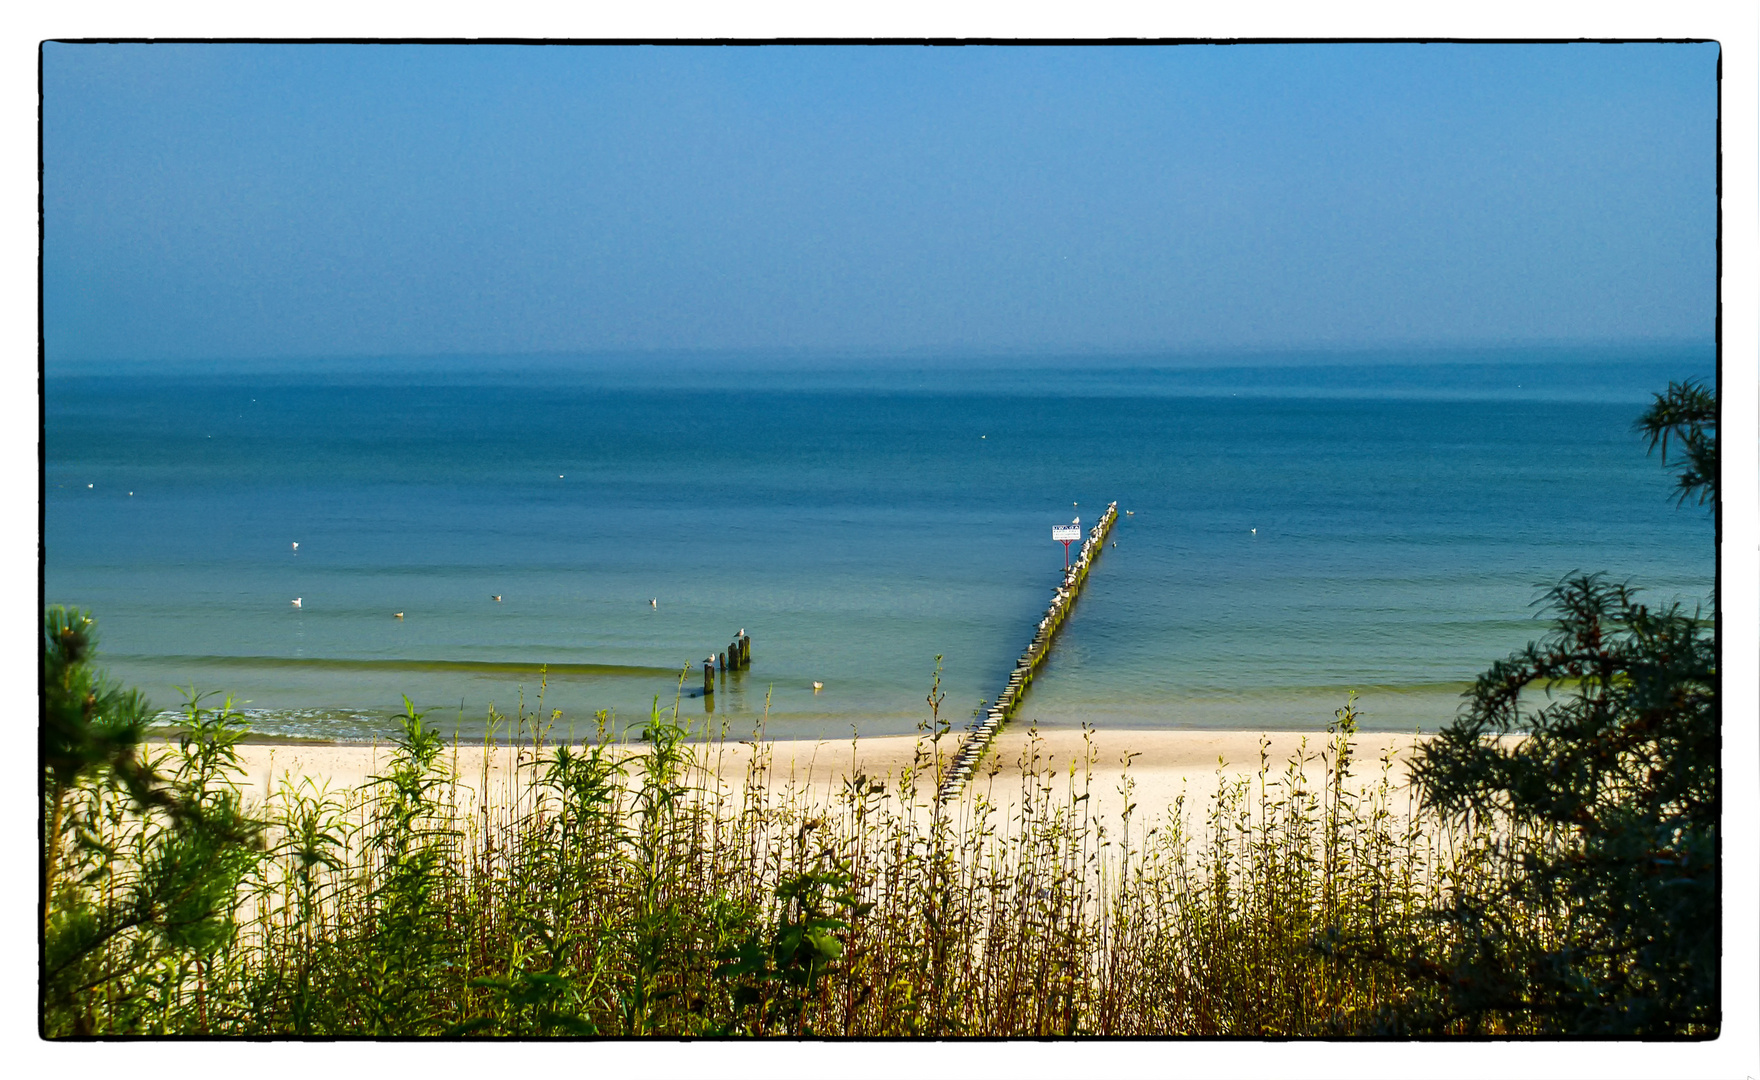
(482, 667)
(293, 725)
(332, 726)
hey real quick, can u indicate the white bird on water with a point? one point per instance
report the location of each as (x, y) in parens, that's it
(397, 615)
(1255, 532)
(496, 598)
(296, 601)
(296, 545)
(818, 686)
(654, 603)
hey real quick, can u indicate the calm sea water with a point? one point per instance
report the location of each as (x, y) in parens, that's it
(856, 522)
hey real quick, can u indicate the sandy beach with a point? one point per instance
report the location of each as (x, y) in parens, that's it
(1162, 764)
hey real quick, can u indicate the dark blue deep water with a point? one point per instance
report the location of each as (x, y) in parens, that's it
(856, 522)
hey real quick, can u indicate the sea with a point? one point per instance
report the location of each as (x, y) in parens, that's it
(567, 538)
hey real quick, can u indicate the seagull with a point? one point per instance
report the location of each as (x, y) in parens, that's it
(397, 615)
(296, 545)
(88, 485)
(1255, 532)
(818, 686)
(131, 494)
(296, 601)
(496, 598)
(1129, 513)
(558, 476)
(654, 603)
(742, 631)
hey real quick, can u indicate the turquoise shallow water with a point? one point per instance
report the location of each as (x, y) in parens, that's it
(857, 522)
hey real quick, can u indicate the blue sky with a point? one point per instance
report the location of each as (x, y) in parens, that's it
(215, 202)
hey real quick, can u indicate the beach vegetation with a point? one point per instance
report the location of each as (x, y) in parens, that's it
(614, 888)
(146, 852)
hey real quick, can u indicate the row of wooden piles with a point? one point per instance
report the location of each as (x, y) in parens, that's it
(737, 657)
(1007, 703)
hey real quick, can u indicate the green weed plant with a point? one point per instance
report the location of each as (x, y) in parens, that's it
(625, 889)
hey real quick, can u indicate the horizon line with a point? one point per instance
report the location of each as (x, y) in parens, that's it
(780, 355)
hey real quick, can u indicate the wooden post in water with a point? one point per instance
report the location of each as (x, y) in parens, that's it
(709, 676)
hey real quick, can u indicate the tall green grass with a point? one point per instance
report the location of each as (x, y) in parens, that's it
(628, 889)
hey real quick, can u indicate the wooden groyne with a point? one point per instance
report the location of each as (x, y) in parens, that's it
(1008, 702)
(736, 657)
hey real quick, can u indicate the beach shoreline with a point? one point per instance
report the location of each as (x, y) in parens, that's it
(1162, 765)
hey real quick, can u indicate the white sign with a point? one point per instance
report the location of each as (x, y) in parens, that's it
(1066, 533)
